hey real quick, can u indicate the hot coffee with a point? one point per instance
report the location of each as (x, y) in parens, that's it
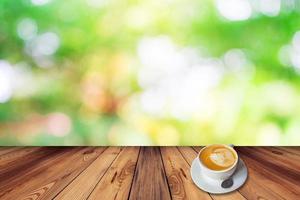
(218, 157)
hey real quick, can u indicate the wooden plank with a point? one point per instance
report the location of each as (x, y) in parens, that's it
(190, 154)
(281, 153)
(180, 182)
(292, 150)
(41, 173)
(150, 179)
(286, 163)
(83, 185)
(5, 150)
(28, 166)
(76, 165)
(256, 166)
(8, 158)
(236, 195)
(197, 148)
(273, 164)
(278, 188)
(48, 184)
(116, 182)
(38, 170)
(253, 190)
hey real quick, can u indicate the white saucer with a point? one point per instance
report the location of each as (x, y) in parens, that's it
(214, 186)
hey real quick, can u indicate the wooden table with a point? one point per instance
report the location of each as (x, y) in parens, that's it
(106, 173)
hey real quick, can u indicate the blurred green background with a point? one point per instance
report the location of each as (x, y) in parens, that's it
(150, 72)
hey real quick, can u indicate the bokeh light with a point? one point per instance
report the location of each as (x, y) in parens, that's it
(39, 2)
(234, 10)
(150, 72)
(270, 8)
(27, 29)
(6, 81)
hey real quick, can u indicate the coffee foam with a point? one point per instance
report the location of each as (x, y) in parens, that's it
(222, 157)
(218, 157)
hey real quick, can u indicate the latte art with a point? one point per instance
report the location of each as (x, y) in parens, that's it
(222, 157)
(218, 157)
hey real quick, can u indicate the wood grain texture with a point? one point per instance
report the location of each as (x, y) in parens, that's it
(23, 169)
(292, 150)
(271, 174)
(11, 155)
(275, 159)
(276, 187)
(180, 182)
(35, 173)
(116, 182)
(255, 189)
(273, 168)
(65, 171)
(150, 179)
(5, 150)
(54, 174)
(84, 184)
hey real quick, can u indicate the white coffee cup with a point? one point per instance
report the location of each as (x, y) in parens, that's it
(218, 174)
